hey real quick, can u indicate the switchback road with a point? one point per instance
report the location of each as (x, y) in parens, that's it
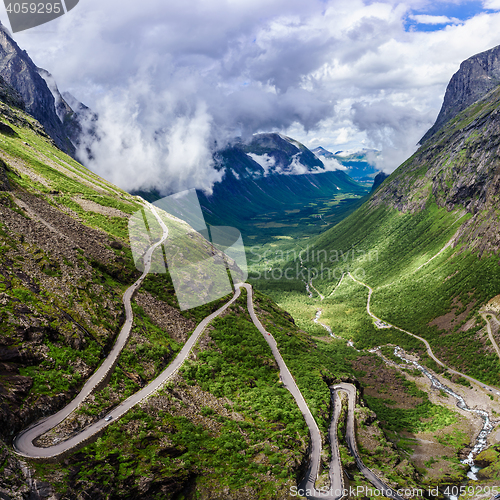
(24, 446)
(307, 485)
(23, 443)
(494, 320)
(351, 443)
(486, 387)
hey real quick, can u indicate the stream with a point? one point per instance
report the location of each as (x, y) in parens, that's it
(481, 440)
(487, 425)
(326, 327)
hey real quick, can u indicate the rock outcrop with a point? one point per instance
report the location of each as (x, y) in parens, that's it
(379, 178)
(20, 72)
(4, 181)
(27, 87)
(458, 168)
(477, 76)
(10, 96)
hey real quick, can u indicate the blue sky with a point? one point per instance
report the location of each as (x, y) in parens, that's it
(455, 12)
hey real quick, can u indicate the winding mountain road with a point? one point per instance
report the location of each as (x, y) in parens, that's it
(353, 448)
(24, 446)
(307, 485)
(427, 345)
(494, 318)
(336, 474)
(23, 443)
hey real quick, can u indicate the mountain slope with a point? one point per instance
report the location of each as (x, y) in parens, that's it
(420, 254)
(427, 241)
(39, 94)
(273, 175)
(458, 169)
(65, 263)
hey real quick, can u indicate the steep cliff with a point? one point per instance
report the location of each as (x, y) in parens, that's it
(476, 77)
(458, 168)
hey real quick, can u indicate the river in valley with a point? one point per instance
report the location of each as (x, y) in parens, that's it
(487, 428)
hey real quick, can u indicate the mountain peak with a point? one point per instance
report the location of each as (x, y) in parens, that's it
(321, 151)
(477, 76)
(34, 90)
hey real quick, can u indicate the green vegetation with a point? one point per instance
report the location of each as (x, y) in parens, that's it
(386, 249)
(273, 212)
(115, 226)
(457, 439)
(424, 417)
(228, 421)
(147, 353)
(256, 442)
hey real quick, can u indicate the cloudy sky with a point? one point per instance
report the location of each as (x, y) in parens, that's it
(172, 80)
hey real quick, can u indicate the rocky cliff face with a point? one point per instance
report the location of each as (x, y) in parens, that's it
(4, 181)
(477, 76)
(379, 178)
(9, 95)
(21, 74)
(458, 168)
(78, 121)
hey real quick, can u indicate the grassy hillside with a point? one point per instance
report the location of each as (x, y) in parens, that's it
(224, 427)
(426, 242)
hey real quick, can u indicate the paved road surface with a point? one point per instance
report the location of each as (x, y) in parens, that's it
(23, 442)
(486, 387)
(351, 443)
(24, 446)
(308, 483)
(494, 319)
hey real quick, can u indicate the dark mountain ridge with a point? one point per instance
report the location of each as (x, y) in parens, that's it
(477, 76)
(19, 71)
(34, 90)
(271, 173)
(268, 154)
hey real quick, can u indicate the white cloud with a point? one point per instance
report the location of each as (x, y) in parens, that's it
(427, 19)
(492, 4)
(265, 161)
(172, 79)
(296, 168)
(332, 164)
